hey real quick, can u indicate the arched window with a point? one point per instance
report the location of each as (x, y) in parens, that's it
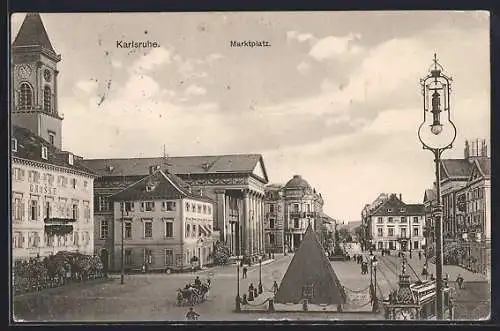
(47, 99)
(25, 96)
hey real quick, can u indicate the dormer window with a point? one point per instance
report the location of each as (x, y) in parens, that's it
(45, 153)
(70, 159)
(389, 210)
(110, 168)
(13, 144)
(402, 210)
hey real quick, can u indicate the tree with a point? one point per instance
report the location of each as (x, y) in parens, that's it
(360, 233)
(221, 253)
(344, 235)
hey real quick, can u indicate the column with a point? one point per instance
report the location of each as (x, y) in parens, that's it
(221, 210)
(261, 224)
(245, 235)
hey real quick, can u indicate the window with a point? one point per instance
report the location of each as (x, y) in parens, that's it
(63, 181)
(36, 239)
(379, 220)
(70, 159)
(415, 232)
(402, 210)
(391, 220)
(25, 96)
(148, 229)
(47, 99)
(104, 231)
(75, 212)
(18, 240)
(48, 209)
(50, 179)
(128, 230)
(209, 209)
(403, 219)
(76, 237)
(73, 182)
(169, 257)
(391, 232)
(169, 229)
(128, 257)
(403, 232)
(18, 174)
(389, 210)
(148, 256)
(199, 209)
(415, 245)
(52, 137)
(13, 144)
(415, 219)
(18, 207)
(187, 206)
(169, 205)
(193, 233)
(44, 153)
(102, 203)
(271, 238)
(295, 207)
(129, 206)
(380, 245)
(85, 184)
(188, 229)
(34, 177)
(33, 210)
(204, 209)
(296, 223)
(279, 208)
(379, 232)
(148, 206)
(271, 208)
(193, 207)
(271, 223)
(308, 208)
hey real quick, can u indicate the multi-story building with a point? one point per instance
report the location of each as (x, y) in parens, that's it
(302, 206)
(52, 191)
(396, 225)
(274, 223)
(429, 204)
(367, 240)
(51, 198)
(165, 225)
(236, 183)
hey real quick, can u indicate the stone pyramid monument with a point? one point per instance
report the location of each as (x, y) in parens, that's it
(310, 276)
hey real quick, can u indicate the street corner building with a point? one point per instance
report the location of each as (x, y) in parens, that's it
(234, 183)
(52, 192)
(166, 226)
(395, 225)
(290, 209)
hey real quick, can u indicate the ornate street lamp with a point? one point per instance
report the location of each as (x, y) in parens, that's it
(437, 134)
(122, 274)
(260, 275)
(375, 300)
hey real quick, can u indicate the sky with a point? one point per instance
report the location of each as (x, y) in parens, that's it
(335, 98)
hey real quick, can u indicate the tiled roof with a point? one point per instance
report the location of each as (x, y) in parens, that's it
(180, 165)
(398, 208)
(164, 185)
(33, 33)
(29, 146)
(454, 168)
(485, 166)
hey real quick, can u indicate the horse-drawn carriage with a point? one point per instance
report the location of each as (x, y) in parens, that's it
(192, 294)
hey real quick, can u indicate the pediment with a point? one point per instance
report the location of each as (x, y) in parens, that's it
(259, 171)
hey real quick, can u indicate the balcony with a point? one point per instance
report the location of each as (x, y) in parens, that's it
(297, 214)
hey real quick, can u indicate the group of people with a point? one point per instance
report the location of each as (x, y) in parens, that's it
(35, 274)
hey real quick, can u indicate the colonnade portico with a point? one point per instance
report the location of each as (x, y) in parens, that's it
(240, 216)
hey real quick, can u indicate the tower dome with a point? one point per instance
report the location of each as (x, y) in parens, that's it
(297, 182)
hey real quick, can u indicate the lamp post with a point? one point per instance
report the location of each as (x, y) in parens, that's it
(372, 289)
(260, 275)
(122, 275)
(437, 133)
(375, 300)
(238, 299)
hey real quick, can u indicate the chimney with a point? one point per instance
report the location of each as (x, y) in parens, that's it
(484, 148)
(400, 197)
(466, 150)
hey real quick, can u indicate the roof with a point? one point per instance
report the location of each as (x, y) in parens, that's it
(164, 185)
(297, 182)
(484, 165)
(456, 168)
(398, 208)
(179, 165)
(33, 33)
(310, 266)
(29, 146)
(430, 195)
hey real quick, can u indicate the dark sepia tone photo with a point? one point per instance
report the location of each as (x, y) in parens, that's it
(250, 166)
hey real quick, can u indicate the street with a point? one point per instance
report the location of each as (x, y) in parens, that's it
(152, 297)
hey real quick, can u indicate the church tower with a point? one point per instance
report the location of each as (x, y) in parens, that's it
(34, 81)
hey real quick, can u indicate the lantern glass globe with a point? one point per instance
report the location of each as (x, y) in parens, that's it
(436, 129)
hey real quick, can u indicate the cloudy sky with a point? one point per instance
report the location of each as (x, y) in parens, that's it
(336, 98)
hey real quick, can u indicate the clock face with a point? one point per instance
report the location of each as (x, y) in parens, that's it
(24, 71)
(47, 75)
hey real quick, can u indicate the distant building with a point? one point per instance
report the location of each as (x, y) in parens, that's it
(430, 201)
(274, 222)
(396, 225)
(165, 225)
(368, 209)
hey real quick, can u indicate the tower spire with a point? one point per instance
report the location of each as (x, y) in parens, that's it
(32, 33)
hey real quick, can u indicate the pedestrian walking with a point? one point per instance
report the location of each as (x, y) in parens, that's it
(275, 287)
(460, 281)
(424, 271)
(192, 315)
(245, 272)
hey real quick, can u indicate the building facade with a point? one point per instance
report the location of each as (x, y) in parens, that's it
(302, 206)
(52, 192)
(368, 209)
(51, 199)
(274, 222)
(396, 225)
(235, 182)
(165, 225)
